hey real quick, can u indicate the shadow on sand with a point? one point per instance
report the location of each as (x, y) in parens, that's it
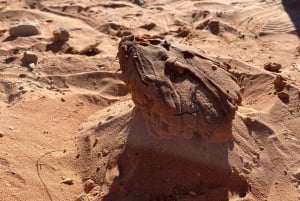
(169, 170)
(292, 7)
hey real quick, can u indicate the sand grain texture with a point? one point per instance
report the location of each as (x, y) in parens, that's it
(71, 116)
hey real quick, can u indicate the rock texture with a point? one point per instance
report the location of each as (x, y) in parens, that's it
(25, 29)
(29, 58)
(181, 91)
(61, 34)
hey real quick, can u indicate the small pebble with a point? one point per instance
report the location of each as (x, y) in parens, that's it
(273, 67)
(1, 134)
(105, 152)
(29, 59)
(82, 197)
(296, 174)
(89, 185)
(246, 171)
(61, 34)
(67, 181)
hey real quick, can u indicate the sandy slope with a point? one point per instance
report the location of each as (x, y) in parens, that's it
(60, 102)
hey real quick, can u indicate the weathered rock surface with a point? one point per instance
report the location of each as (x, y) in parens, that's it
(61, 34)
(29, 58)
(273, 67)
(181, 91)
(25, 29)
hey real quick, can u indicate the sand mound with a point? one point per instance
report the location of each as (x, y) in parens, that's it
(141, 163)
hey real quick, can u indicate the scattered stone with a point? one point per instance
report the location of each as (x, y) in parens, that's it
(11, 128)
(214, 26)
(22, 75)
(123, 33)
(63, 100)
(273, 67)
(182, 32)
(139, 2)
(25, 29)
(10, 59)
(1, 134)
(82, 197)
(105, 152)
(29, 58)
(246, 171)
(149, 26)
(67, 181)
(296, 174)
(61, 35)
(279, 83)
(283, 96)
(89, 185)
(95, 142)
(90, 49)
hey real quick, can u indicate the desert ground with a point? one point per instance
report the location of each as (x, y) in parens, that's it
(61, 117)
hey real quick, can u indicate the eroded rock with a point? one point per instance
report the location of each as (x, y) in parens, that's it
(214, 26)
(25, 29)
(296, 174)
(61, 35)
(29, 58)
(279, 83)
(180, 90)
(273, 67)
(89, 185)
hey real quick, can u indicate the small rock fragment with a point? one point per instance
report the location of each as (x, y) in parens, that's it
(283, 96)
(105, 152)
(1, 134)
(246, 171)
(279, 83)
(214, 27)
(90, 49)
(296, 174)
(29, 58)
(89, 185)
(25, 29)
(82, 197)
(139, 2)
(61, 34)
(22, 75)
(273, 67)
(67, 181)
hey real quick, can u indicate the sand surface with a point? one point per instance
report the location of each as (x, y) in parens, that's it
(61, 120)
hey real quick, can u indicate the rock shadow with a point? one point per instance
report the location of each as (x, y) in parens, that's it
(169, 170)
(292, 8)
(10, 38)
(56, 46)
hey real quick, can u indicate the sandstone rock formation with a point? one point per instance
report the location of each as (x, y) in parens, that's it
(181, 91)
